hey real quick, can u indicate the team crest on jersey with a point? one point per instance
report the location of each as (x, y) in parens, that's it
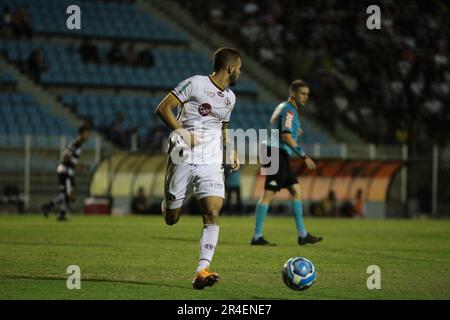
(227, 102)
(204, 109)
(220, 94)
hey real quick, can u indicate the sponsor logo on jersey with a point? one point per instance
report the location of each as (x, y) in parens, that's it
(288, 120)
(216, 185)
(220, 94)
(204, 109)
(210, 94)
(183, 88)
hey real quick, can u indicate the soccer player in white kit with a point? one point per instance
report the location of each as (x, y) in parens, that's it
(196, 157)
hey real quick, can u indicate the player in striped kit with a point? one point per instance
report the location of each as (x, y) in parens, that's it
(66, 176)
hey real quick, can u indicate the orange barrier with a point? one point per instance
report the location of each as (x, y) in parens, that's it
(343, 177)
(120, 175)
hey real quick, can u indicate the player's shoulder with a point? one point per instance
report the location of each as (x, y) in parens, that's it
(197, 79)
(191, 81)
(287, 107)
(230, 93)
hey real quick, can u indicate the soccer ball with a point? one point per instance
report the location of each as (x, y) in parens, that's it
(299, 273)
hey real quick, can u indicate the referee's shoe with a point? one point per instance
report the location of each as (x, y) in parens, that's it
(308, 239)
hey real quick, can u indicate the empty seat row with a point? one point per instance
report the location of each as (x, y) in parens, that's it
(20, 114)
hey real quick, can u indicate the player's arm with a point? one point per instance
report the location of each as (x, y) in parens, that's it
(287, 138)
(287, 118)
(229, 149)
(164, 112)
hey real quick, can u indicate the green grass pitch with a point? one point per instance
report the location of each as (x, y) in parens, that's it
(142, 258)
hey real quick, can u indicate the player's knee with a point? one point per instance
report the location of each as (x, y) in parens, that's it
(297, 195)
(171, 220)
(267, 198)
(171, 217)
(211, 216)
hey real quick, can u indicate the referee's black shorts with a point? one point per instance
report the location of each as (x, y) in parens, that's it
(284, 177)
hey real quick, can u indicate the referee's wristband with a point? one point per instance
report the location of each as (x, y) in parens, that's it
(300, 152)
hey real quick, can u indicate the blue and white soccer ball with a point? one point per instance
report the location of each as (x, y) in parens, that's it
(299, 273)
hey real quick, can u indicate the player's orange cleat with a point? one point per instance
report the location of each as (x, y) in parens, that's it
(204, 278)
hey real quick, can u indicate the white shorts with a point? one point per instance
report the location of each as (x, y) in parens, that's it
(184, 179)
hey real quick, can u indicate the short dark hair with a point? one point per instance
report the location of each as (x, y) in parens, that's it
(297, 84)
(82, 129)
(223, 56)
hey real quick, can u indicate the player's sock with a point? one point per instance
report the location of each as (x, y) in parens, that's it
(297, 211)
(208, 243)
(261, 213)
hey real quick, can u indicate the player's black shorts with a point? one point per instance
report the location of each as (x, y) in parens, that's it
(284, 177)
(66, 184)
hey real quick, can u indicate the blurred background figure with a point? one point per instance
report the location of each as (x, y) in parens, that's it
(146, 58)
(14, 197)
(5, 23)
(89, 52)
(358, 205)
(327, 207)
(115, 54)
(119, 132)
(36, 64)
(156, 139)
(233, 186)
(20, 23)
(139, 203)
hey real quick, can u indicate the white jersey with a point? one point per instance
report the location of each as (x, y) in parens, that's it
(204, 107)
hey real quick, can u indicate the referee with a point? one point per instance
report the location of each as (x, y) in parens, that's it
(285, 118)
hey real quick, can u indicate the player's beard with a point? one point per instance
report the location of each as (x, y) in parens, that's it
(233, 79)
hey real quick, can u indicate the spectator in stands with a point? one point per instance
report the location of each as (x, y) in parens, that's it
(115, 54)
(395, 75)
(119, 133)
(130, 55)
(89, 52)
(146, 58)
(36, 64)
(156, 138)
(233, 186)
(5, 27)
(139, 203)
(20, 23)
